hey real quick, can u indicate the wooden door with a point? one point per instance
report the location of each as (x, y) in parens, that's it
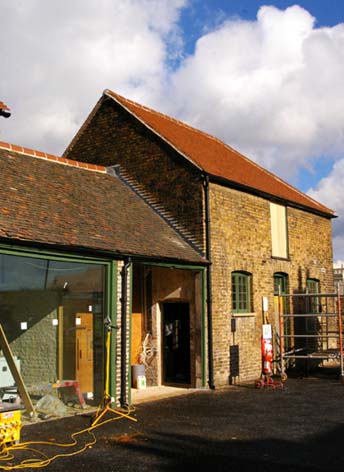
(84, 351)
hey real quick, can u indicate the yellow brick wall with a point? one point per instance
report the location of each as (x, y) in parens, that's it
(241, 240)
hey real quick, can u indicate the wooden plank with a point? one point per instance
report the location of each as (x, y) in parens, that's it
(15, 373)
(136, 336)
(60, 342)
(84, 352)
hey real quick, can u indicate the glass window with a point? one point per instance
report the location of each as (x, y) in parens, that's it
(52, 313)
(279, 234)
(313, 287)
(241, 292)
(280, 283)
(281, 304)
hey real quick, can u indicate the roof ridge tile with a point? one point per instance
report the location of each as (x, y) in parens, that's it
(51, 157)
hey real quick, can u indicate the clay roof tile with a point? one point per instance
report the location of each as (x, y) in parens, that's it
(216, 158)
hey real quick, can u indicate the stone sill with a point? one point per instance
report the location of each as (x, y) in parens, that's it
(278, 258)
(243, 315)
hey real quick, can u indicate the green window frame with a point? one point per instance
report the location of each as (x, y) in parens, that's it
(313, 287)
(241, 292)
(281, 287)
(281, 283)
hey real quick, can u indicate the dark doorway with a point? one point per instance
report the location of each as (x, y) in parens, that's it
(176, 343)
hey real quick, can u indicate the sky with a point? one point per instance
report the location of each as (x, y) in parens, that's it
(265, 77)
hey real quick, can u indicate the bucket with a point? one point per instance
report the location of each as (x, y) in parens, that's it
(138, 376)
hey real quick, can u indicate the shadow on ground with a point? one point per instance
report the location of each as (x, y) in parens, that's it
(298, 428)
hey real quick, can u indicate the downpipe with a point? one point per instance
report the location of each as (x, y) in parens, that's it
(209, 285)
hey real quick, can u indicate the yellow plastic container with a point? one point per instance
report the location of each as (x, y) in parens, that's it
(10, 426)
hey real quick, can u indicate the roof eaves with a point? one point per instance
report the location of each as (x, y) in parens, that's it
(233, 184)
(97, 252)
(113, 96)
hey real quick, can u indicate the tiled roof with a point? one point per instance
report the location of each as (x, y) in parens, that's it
(50, 157)
(49, 200)
(217, 158)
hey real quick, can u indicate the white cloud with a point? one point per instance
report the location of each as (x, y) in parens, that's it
(330, 192)
(271, 88)
(58, 56)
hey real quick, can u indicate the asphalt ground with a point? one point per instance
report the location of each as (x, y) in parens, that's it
(237, 428)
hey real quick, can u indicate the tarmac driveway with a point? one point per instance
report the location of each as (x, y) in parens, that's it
(297, 428)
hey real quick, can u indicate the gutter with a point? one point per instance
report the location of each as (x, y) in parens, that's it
(124, 299)
(209, 285)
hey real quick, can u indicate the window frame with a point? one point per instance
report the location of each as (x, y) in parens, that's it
(314, 305)
(237, 277)
(312, 282)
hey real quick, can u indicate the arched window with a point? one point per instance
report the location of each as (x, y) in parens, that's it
(280, 283)
(241, 292)
(313, 285)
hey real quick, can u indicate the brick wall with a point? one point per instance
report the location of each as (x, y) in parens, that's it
(240, 231)
(36, 347)
(114, 137)
(241, 240)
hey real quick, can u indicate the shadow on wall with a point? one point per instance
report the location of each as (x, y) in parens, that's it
(233, 364)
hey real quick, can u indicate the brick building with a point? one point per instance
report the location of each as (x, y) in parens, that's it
(260, 234)
(70, 233)
(158, 233)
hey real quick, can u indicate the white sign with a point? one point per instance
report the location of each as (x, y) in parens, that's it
(267, 331)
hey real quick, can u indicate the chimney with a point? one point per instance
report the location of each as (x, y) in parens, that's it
(4, 110)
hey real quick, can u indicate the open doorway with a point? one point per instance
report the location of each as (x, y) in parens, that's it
(176, 343)
(167, 325)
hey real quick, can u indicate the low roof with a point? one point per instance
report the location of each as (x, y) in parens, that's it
(217, 158)
(56, 201)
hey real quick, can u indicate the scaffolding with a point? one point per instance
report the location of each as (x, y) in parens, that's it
(309, 332)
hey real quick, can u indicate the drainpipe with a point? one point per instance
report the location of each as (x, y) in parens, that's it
(124, 299)
(209, 285)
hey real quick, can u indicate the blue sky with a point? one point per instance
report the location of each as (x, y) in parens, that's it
(265, 77)
(202, 12)
(208, 14)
